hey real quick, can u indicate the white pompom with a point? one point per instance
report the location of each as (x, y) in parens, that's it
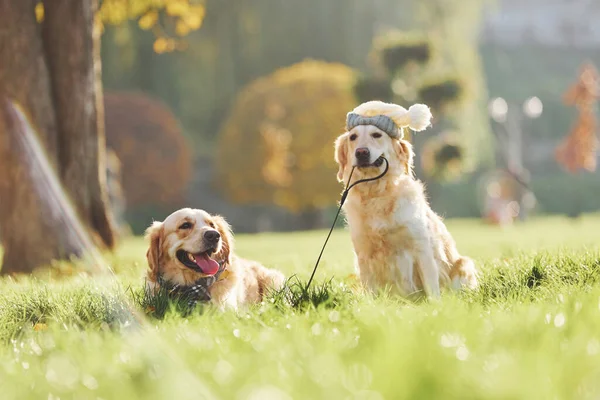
(419, 117)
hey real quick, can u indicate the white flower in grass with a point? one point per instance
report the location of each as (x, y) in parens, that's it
(451, 340)
(462, 353)
(559, 320)
(267, 392)
(89, 382)
(316, 329)
(334, 316)
(223, 372)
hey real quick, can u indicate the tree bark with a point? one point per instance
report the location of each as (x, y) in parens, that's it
(37, 222)
(26, 236)
(72, 48)
(23, 71)
(37, 225)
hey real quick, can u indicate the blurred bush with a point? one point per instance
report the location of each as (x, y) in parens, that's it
(442, 157)
(276, 146)
(369, 88)
(407, 70)
(397, 50)
(439, 94)
(156, 161)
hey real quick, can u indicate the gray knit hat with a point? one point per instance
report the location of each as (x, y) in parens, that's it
(382, 122)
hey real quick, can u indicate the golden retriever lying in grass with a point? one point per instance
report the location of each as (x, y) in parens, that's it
(399, 242)
(193, 250)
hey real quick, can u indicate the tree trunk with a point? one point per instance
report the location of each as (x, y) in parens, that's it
(23, 71)
(27, 238)
(72, 46)
(37, 222)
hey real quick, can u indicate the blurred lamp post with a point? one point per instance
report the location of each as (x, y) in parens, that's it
(511, 121)
(510, 137)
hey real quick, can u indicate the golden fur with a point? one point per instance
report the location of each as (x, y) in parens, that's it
(244, 281)
(400, 244)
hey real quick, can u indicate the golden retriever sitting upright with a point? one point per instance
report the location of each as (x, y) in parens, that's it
(399, 242)
(192, 251)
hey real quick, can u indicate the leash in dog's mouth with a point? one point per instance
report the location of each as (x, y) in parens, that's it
(377, 163)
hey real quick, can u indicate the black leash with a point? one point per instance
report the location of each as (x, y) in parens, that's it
(377, 162)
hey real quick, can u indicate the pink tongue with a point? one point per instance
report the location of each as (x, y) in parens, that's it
(206, 264)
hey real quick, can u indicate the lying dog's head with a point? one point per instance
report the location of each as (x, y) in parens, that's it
(187, 245)
(375, 132)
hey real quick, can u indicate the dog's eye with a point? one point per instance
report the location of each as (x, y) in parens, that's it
(185, 225)
(353, 136)
(376, 135)
(211, 224)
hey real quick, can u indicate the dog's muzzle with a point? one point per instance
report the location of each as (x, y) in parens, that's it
(364, 163)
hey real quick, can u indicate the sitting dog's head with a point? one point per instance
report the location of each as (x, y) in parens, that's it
(189, 244)
(374, 132)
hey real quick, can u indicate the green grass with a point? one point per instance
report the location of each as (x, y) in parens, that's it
(531, 331)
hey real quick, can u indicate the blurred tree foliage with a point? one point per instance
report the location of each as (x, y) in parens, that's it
(239, 42)
(276, 146)
(168, 20)
(442, 157)
(156, 161)
(401, 67)
(434, 60)
(578, 150)
(441, 94)
(439, 68)
(398, 53)
(453, 25)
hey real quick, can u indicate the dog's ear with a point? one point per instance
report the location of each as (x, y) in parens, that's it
(341, 155)
(154, 234)
(226, 238)
(405, 154)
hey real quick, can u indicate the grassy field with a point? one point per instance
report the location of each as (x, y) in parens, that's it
(532, 330)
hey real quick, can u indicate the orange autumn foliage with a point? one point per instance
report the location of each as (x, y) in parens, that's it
(156, 162)
(169, 20)
(578, 150)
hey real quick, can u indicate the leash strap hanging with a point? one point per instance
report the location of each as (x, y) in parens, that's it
(342, 201)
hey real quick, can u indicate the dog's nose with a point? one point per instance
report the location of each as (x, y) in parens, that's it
(362, 154)
(212, 236)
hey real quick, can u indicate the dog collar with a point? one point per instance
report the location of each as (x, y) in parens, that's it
(199, 290)
(382, 122)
